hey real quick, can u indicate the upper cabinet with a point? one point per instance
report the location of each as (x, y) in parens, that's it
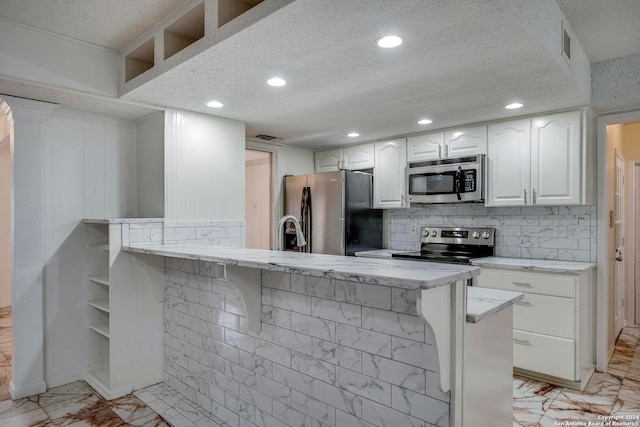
(452, 143)
(358, 157)
(328, 160)
(537, 161)
(389, 175)
(354, 157)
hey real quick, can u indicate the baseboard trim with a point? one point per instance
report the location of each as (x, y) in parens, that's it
(63, 381)
(26, 391)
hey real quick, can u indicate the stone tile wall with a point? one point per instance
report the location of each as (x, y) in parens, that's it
(330, 352)
(561, 233)
(217, 233)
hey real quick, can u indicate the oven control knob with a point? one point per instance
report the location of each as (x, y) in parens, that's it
(476, 234)
(434, 233)
(485, 235)
(425, 232)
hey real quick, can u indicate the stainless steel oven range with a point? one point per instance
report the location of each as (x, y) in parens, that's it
(455, 245)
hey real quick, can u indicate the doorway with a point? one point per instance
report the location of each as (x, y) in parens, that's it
(6, 258)
(258, 198)
(618, 232)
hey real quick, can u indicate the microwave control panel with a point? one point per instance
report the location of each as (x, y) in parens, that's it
(470, 181)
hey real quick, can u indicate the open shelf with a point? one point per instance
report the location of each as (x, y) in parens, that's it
(104, 247)
(100, 304)
(185, 31)
(228, 10)
(103, 280)
(100, 327)
(139, 60)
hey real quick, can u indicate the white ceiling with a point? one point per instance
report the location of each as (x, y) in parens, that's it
(460, 62)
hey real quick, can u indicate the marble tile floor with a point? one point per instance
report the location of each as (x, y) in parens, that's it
(614, 393)
(6, 342)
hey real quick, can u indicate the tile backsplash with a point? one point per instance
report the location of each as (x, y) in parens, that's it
(217, 233)
(566, 233)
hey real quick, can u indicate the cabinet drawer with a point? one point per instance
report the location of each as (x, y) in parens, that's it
(535, 283)
(546, 315)
(544, 354)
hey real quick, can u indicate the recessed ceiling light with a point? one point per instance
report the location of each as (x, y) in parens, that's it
(389, 41)
(425, 122)
(215, 104)
(276, 81)
(513, 106)
(353, 135)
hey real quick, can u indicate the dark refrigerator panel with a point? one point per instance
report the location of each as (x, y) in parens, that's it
(363, 225)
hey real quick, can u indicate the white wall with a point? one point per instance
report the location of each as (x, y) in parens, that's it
(31, 55)
(204, 167)
(6, 178)
(90, 172)
(150, 165)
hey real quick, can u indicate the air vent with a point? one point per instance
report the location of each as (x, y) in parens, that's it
(267, 137)
(566, 43)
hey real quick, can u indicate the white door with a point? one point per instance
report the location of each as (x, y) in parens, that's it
(508, 163)
(389, 175)
(618, 229)
(555, 159)
(258, 196)
(428, 146)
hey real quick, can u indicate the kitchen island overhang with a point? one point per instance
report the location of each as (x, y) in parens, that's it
(441, 302)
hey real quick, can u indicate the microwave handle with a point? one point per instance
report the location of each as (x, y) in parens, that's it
(458, 182)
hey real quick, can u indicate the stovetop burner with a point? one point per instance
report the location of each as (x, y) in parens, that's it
(456, 245)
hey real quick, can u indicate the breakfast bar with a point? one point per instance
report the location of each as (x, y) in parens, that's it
(311, 339)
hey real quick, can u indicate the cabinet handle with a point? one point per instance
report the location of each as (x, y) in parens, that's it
(525, 303)
(521, 342)
(525, 197)
(402, 201)
(521, 284)
(534, 196)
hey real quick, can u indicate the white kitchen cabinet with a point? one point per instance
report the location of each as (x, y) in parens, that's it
(428, 146)
(466, 141)
(555, 159)
(328, 160)
(389, 175)
(124, 313)
(535, 161)
(357, 157)
(452, 143)
(553, 326)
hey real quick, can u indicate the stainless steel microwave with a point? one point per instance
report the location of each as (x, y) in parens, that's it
(455, 180)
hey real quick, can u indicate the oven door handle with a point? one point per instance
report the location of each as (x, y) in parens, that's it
(458, 182)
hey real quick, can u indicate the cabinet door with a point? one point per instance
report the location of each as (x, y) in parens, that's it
(328, 160)
(389, 176)
(508, 163)
(358, 156)
(425, 147)
(465, 141)
(555, 159)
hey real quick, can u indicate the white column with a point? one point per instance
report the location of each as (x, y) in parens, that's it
(28, 245)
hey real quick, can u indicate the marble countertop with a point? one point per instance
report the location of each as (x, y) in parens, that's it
(569, 267)
(484, 302)
(119, 220)
(379, 253)
(397, 273)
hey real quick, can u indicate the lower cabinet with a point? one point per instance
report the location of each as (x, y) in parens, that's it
(553, 326)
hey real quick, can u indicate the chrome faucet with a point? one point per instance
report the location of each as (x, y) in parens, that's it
(299, 233)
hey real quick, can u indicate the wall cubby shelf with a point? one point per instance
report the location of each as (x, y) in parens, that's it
(185, 31)
(228, 10)
(139, 60)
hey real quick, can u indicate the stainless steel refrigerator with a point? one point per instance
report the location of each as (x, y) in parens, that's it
(335, 211)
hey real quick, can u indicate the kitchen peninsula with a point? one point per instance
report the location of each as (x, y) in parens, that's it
(313, 339)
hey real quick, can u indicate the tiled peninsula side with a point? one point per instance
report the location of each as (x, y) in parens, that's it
(330, 352)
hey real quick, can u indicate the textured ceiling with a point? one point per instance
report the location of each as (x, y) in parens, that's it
(460, 63)
(108, 23)
(606, 29)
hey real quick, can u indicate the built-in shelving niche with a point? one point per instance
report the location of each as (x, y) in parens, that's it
(228, 10)
(139, 60)
(185, 31)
